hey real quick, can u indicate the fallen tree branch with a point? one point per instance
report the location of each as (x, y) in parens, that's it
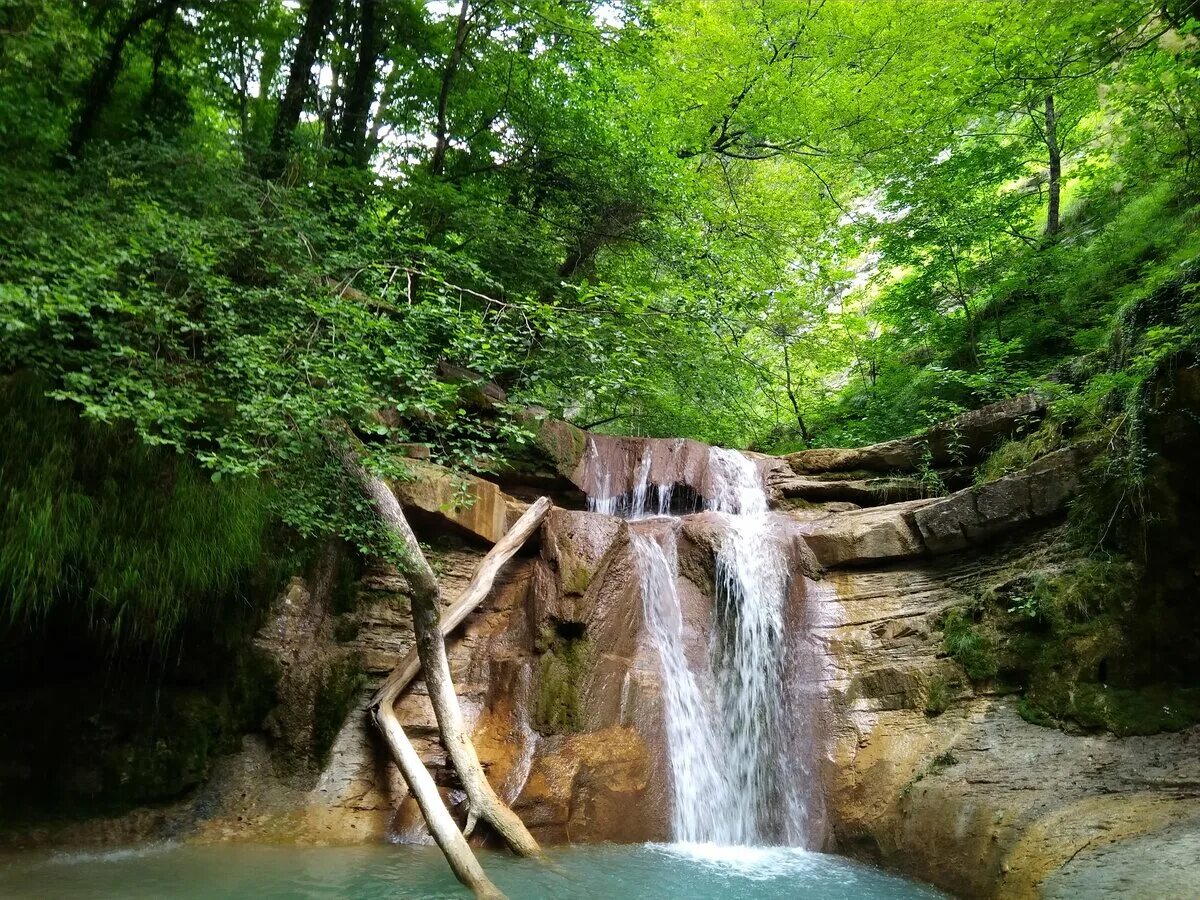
(425, 594)
(441, 825)
(470, 598)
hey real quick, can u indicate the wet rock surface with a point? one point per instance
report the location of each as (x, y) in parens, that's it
(975, 799)
(563, 690)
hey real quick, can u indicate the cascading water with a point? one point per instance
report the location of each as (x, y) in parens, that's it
(702, 809)
(732, 775)
(646, 498)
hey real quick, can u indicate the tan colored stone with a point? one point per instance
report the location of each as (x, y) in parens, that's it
(471, 503)
(865, 536)
(593, 787)
(975, 800)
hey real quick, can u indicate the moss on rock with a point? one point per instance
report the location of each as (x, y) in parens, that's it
(338, 688)
(566, 658)
(1070, 639)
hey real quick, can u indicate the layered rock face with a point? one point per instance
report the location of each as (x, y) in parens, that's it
(975, 799)
(565, 689)
(909, 762)
(931, 773)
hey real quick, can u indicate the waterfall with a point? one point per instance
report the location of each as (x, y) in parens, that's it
(645, 498)
(732, 777)
(701, 809)
(748, 649)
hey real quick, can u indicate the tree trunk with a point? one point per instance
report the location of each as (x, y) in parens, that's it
(1054, 186)
(451, 841)
(791, 392)
(476, 592)
(441, 825)
(104, 77)
(375, 133)
(352, 129)
(612, 223)
(437, 162)
(426, 595)
(162, 47)
(316, 23)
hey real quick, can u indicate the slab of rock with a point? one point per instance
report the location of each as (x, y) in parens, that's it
(603, 465)
(974, 515)
(966, 518)
(963, 438)
(862, 536)
(470, 503)
(863, 492)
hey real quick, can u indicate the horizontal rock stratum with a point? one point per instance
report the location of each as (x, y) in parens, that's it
(565, 696)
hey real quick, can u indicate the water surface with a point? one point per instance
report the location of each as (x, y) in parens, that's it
(646, 872)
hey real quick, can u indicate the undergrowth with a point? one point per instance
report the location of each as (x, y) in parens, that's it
(133, 536)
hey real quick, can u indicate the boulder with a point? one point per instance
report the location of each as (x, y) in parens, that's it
(594, 787)
(974, 515)
(866, 535)
(560, 441)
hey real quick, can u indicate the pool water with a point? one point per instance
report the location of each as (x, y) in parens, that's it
(646, 872)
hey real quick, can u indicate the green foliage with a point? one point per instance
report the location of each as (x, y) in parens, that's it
(928, 476)
(969, 644)
(137, 537)
(939, 694)
(749, 223)
(1079, 644)
(1123, 711)
(1015, 454)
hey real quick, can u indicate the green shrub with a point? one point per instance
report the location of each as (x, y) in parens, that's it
(938, 695)
(970, 645)
(1014, 455)
(1032, 714)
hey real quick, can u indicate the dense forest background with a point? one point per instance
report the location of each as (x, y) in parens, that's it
(240, 234)
(762, 224)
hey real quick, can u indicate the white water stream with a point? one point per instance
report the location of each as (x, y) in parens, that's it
(732, 779)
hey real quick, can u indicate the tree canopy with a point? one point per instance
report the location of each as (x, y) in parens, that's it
(768, 223)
